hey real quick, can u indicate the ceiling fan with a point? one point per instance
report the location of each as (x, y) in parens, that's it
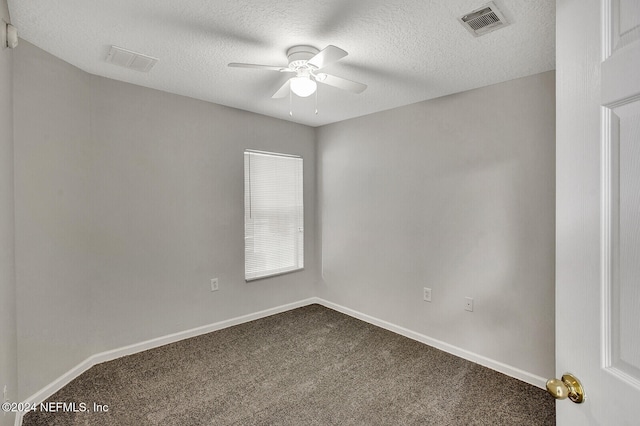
(305, 62)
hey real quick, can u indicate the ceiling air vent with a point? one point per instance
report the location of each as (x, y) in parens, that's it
(129, 59)
(484, 20)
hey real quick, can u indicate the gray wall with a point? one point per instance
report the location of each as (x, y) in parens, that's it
(52, 196)
(8, 368)
(128, 200)
(455, 194)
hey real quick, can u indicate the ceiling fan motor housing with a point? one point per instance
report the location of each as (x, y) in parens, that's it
(299, 55)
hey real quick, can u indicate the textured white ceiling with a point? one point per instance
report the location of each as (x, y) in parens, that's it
(406, 51)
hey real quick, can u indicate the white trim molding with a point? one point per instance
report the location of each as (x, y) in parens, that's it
(500, 367)
(101, 357)
(110, 355)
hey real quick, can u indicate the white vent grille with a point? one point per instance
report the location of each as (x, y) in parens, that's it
(484, 20)
(129, 59)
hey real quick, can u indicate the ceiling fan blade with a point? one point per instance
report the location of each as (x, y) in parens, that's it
(261, 67)
(326, 56)
(341, 83)
(283, 90)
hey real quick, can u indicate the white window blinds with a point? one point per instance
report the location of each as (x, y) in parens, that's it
(273, 214)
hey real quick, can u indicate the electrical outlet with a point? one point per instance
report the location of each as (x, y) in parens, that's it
(214, 284)
(468, 304)
(426, 294)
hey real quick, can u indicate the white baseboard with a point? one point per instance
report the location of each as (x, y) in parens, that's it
(509, 370)
(101, 357)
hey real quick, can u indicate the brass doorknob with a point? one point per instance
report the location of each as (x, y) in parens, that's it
(569, 387)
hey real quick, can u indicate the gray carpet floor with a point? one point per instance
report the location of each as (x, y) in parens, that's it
(308, 366)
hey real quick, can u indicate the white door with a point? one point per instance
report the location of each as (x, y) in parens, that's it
(598, 209)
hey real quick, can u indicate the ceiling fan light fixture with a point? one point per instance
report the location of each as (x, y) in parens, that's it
(303, 86)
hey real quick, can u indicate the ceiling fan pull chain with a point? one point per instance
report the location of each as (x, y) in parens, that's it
(316, 101)
(290, 109)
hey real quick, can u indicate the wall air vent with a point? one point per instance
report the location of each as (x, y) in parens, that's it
(129, 59)
(484, 20)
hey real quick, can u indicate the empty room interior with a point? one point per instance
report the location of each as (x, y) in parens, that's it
(359, 229)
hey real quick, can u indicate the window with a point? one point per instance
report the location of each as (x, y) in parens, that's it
(273, 214)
